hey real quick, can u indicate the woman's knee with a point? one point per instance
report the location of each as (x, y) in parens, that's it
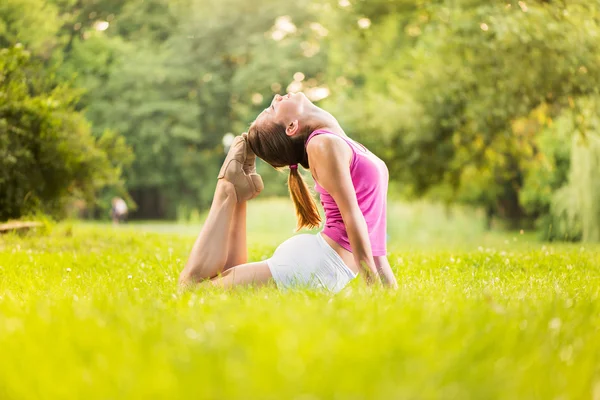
(185, 279)
(193, 274)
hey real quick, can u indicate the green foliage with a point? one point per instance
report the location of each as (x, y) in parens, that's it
(584, 174)
(548, 168)
(98, 311)
(564, 222)
(586, 185)
(47, 154)
(461, 73)
(467, 100)
(190, 73)
(33, 23)
(561, 186)
(575, 208)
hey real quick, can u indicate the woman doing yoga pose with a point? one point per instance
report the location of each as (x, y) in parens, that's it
(352, 183)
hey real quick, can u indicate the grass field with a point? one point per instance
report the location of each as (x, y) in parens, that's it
(92, 311)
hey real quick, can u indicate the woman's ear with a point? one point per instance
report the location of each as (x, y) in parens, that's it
(292, 128)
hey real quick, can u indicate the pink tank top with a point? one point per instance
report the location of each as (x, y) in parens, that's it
(370, 178)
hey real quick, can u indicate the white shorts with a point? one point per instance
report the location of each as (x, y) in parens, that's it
(307, 261)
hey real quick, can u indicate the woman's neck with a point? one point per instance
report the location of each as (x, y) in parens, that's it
(321, 119)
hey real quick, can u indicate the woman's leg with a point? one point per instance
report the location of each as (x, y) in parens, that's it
(237, 253)
(220, 252)
(210, 251)
(222, 241)
(256, 274)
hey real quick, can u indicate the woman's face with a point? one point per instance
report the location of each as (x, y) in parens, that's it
(284, 110)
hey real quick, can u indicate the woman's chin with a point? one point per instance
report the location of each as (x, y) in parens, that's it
(302, 97)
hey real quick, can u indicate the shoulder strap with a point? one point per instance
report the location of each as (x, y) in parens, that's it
(316, 133)
(349, 142)
(353, 145)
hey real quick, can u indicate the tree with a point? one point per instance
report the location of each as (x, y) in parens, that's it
(33, 23)
(564, 185)
(47, 154)
(200, 70)
(460, 74)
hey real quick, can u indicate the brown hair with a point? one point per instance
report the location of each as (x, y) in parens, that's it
(270, 143)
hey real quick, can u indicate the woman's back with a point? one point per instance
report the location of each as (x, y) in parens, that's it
(369, 176)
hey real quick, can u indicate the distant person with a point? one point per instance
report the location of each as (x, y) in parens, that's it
(119, 210)
(353, 185)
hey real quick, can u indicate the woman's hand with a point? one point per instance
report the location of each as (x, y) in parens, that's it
(385, 271)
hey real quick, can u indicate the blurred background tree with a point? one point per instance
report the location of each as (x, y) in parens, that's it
(460, 92)
(492, 104)
(47, 153)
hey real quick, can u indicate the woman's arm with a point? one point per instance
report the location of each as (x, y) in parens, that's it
(330, 158)
(385, 271)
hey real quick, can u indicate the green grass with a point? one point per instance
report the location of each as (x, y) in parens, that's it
(92, 311)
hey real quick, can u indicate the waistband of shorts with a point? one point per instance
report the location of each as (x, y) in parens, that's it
(333, 254)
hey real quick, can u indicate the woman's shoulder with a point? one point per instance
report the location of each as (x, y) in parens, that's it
(326, 146)
(328, 153)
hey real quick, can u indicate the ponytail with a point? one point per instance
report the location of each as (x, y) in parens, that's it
(270, 143)
(306, 208)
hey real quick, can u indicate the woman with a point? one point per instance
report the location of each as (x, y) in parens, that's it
(352, 183)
